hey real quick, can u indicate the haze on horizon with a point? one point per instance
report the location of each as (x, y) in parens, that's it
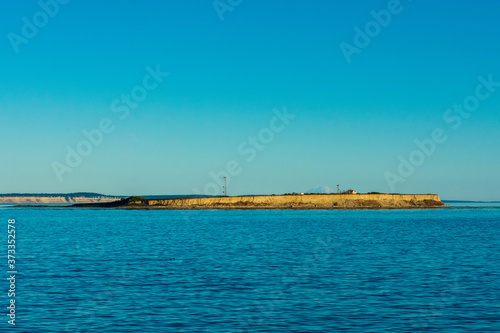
(167, 97)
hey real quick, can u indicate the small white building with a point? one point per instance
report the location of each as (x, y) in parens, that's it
(351, 192)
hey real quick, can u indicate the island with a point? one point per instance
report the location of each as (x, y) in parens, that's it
(287, 201)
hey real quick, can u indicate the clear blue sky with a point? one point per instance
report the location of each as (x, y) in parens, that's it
(352, 120)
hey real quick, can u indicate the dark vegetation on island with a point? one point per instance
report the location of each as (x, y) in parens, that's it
(134, 200)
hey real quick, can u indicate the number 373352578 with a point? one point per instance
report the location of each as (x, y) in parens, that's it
(11, 239)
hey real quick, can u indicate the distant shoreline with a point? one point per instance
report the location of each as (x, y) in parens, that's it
(91, 197)
(57, 198)
(469, 201)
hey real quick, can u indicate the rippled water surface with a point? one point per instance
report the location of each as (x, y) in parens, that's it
(256, 271)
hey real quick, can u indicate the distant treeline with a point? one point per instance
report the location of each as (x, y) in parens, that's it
(52, 195)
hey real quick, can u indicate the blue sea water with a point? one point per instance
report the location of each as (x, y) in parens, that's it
(255, 271)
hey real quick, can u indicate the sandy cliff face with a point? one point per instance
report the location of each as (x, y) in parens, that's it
(306, 201)
(54, 200)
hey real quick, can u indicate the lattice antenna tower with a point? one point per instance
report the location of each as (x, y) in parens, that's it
(224, 190)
